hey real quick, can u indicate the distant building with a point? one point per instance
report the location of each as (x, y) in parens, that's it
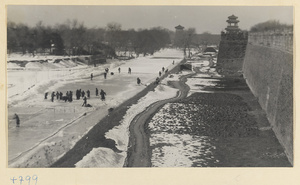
(179, 36)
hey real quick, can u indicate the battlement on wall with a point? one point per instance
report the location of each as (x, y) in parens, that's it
(234, 36)
(277, 39)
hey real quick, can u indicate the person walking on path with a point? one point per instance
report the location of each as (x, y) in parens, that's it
(92, 76)
(102, 93)
(88, 93)
(17, 120)
(138, 81)
(129, 70)
(97, 91)
(157, 80)
(52, 96)
(119, 69)
(84, 101)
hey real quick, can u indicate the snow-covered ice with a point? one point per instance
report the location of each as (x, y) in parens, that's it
(43, 121)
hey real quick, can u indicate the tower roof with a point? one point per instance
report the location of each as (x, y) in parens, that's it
(179, 27)
(232, 17)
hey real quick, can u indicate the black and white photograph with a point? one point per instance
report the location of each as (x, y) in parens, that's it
(149, 86)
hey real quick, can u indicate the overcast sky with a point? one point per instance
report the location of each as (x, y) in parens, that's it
(203, 18)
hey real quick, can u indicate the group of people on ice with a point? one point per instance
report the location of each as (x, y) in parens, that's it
(79, 94)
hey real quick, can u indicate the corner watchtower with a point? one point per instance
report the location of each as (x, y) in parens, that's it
(232, 26)
(232, 48)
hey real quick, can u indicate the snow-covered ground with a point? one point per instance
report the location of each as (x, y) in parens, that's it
(49, 129)
(172, 147)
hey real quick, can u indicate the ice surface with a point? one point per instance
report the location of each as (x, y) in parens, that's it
(43, 121)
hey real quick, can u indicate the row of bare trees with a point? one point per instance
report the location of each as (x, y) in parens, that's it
(73, 38)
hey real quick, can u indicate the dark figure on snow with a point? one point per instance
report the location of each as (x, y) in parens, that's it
(173, 62)
(46, 94)
(70, 96)
(84, 102)
(159, 73)
(129, 70)
(163, 69)
(77, 94)
(88, 93)
(167, 70)
(60, 95)
(97, 91)
(17, 119)
(52, 96)
(57, 95)
(112, 73)
(138, 81)
(102, 93)
(82, 93)
(105, 75)
(106, 70)
(157, 80)
(92, 76)
(119, 69)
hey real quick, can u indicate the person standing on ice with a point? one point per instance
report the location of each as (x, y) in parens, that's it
(92, 76)
(129, 70)
(97, 91)
(57, 95)
(88, 93)
(70, 96)
(119, 69)
(102, 93)
(52, 96)
(60, 95)
(17, 120)
(84, 101)
(46, 95)
(82, 94)
(105, 75)
(138, 81)
(173, 62)
(159, 73)
(163, 69)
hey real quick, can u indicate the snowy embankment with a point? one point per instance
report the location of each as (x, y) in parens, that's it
(54, 119)
(120, 134)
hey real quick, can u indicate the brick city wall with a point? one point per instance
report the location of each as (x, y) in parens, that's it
(268, 70)
(278, 39)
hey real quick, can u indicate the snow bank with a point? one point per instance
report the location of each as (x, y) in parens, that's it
(120, 134)
(102, 157)
(13, 66)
